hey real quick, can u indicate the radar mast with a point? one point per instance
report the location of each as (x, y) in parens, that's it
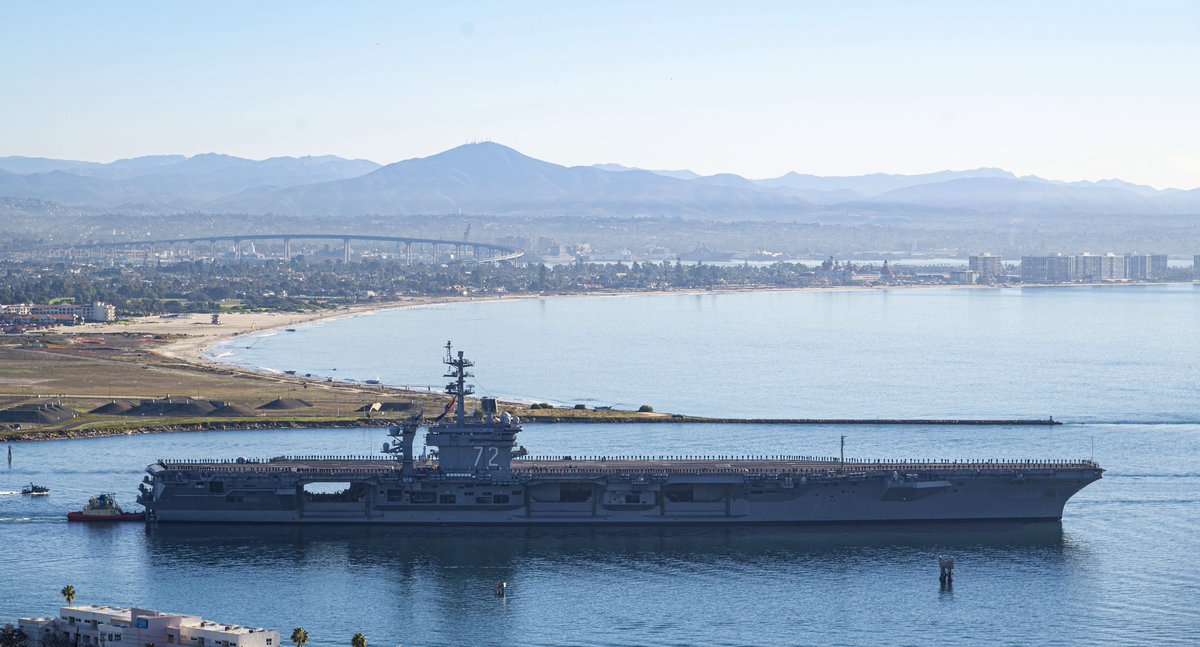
(458, 389)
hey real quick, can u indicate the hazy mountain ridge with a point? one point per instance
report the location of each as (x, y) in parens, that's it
(1020, 196)
(489, 178)
(173, 180)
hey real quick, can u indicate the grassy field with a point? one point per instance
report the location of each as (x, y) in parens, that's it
(83, 372)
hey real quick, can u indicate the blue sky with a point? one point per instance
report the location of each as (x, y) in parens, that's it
(1065, 90)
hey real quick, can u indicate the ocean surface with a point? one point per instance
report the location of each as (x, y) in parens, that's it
(1119, 365)
(1085, 354)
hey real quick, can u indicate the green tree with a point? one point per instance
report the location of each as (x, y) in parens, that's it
(299, 637)
(11, 636)
(358, 640)
(68, 592)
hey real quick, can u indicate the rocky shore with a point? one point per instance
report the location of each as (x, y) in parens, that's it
(66, 434)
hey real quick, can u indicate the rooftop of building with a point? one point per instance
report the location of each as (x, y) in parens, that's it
(127, 615)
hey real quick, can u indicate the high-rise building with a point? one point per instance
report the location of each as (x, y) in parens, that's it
(1034, 270)
(988, 266)
(1087, 267)
(1158, 266)
(1048, 269)
(1137, 266)
(1112, 267)
(1143, 267)
(1060, 268)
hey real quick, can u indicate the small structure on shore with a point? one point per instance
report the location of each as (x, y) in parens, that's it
(91, 625)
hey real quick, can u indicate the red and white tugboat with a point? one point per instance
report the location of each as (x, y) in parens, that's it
(104, 507)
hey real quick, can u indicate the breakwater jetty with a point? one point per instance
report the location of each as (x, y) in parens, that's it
(980, 422)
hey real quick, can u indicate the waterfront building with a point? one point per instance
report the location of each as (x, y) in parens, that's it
(1137, 266)
(1048, 269)
(1087, 267)
(92, 312)
(1106, 267)
(37, 321)
(1058, 268)
(989, 267)
(1158, 266)
(105, 626)
(1033, 269)
(1196, 267)
(1061, 268)
(1112, 267)
(1145, 267)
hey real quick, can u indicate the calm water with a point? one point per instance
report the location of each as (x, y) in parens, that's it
(1119, 569)
(1106, 354)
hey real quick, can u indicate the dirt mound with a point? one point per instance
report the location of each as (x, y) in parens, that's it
(233, 411)
(183, 407)
(283, 404)
(114, 408)
(47, 413)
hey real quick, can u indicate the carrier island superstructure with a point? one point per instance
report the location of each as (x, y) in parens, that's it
(474, 473)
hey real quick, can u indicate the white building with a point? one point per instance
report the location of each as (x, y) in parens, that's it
(99, 312)
(989, 267)
(104, 626)
(92, 312)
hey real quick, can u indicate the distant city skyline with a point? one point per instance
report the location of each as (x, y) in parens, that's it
(1065, 91)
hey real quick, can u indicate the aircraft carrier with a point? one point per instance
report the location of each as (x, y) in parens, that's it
(475, 473)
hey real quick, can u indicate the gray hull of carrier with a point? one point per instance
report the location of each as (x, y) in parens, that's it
(476, 477)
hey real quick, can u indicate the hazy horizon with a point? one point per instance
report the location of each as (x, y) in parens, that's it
(594, 164)
(1071, 91)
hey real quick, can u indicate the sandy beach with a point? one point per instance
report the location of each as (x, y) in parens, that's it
(195, 333)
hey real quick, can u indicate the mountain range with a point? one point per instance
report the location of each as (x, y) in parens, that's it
(488, 178)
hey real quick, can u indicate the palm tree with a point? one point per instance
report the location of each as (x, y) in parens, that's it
(68, 592)
(358, 640)
(299, 636)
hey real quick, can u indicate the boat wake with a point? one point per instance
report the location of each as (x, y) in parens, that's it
(9, 493)
(15, 519)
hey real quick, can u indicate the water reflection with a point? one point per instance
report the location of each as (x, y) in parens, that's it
(508, 547)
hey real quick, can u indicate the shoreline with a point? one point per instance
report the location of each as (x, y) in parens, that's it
(192, 427)
(183, 344)
(192, 348)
